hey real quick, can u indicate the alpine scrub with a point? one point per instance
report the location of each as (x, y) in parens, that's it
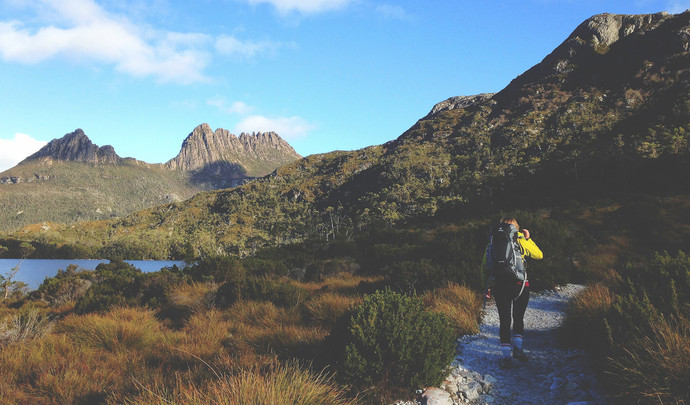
(392, 341)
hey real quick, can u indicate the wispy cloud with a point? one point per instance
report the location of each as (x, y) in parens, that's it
(236, 107)
(304, 6)
(393, 12)
(289, 128)
(87, 32)
(13, 151)
(231, 46)
(84, 31)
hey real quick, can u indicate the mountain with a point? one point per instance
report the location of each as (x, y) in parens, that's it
(76, 147)
(605, 116)
(223, 160)
(71, 179)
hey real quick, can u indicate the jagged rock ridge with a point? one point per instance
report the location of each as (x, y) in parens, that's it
(223, 159)
(77, 147)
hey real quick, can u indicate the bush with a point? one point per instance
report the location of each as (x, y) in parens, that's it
(259, 289)
(66, 286)
(116, 284)
(391, 341)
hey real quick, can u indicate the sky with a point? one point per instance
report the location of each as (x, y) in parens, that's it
(325, 75)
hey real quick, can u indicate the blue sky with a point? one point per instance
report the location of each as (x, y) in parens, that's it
(324, 74)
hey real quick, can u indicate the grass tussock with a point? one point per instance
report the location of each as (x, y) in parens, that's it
(326, 308)
(584, 325)
(120, 329)
(286, 384)
(655, 366)
(31, 324)
(460, 304)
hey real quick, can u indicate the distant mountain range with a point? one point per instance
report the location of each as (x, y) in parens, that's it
(71, 179)
(605, 115)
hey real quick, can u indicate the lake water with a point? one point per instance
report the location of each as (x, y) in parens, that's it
(34, 271)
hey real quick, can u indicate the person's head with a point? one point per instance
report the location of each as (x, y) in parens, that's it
(512, 221)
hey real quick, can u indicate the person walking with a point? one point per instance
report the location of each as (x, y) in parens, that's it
(505, 263)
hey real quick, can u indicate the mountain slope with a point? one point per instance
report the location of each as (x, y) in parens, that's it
(606, 114)
(71, 179)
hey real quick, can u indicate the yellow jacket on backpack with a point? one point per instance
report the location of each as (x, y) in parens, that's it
(528, 248)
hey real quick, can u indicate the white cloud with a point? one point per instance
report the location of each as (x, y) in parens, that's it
(393, 12)
(287, 127)
(93, 34)
(304, 6)
(13, 151)
(232, 46)
(236, 107)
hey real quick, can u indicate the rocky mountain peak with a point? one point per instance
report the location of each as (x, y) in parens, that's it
(605, 48)
(76, 146)
(223, 159)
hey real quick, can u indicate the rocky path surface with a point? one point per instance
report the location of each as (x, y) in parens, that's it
(553, 375)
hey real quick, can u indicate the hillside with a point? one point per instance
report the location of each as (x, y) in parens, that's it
(72, 180)
(605, 116)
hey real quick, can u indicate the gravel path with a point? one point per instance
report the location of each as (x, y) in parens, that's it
(553, 375)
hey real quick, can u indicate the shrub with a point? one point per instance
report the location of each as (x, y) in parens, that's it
(116, 284)
(66, 286)
(280, 293)
(391, 341)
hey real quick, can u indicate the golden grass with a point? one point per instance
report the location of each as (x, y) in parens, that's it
(120, 329)
(279, 384)
(459, 303)
(656, 366)
(55, 370)
(30, 324)
(326, 308)
(193, 297)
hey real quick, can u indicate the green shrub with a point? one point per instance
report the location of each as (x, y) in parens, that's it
(116, 284)
(391, 341)
(281, 293)
(67, 285)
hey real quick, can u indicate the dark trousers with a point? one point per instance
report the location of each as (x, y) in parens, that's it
(504, 295)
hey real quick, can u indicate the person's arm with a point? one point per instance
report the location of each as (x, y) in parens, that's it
(528, 246)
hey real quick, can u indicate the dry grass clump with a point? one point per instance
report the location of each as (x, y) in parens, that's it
(657, 366)
(192, 297)
(326, 308)
(56, 370)
(584, 325)
(120, 329)
(279, 384)
(459, 303)
(29, 324)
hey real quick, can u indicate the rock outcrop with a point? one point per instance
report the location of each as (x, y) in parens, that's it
(223, 159)
(76, 147)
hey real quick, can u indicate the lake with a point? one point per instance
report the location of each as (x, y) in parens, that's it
(34, 271)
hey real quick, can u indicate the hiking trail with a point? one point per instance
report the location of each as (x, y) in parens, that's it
(553, 374)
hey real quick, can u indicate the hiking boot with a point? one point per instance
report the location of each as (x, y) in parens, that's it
(519, 354)
(505, 363)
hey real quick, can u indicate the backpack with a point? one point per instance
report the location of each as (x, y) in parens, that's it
(504, 255)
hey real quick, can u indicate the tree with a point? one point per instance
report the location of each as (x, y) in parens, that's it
(26, 250)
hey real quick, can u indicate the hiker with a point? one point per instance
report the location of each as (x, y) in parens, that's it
(505, 263)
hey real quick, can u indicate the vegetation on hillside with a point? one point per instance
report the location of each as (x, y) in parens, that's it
(592, 159)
